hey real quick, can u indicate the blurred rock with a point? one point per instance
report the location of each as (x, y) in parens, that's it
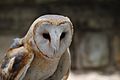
(92, 50)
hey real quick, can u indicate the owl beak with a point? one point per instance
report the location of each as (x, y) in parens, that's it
(55, 40)
(55, 45)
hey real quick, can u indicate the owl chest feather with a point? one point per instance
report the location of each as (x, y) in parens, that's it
(41, 69)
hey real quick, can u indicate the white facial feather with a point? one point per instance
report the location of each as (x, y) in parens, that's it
(52, 35)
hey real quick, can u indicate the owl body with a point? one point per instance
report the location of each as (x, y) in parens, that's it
(43, 54)
(41, 69)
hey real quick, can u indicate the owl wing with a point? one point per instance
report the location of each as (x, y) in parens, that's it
(63, 68)
(17, 42)
(15, 64)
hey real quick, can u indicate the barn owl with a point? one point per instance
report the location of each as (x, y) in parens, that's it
(43, 54)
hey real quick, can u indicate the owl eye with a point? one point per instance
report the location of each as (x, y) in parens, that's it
(62, 35)
(46, 36)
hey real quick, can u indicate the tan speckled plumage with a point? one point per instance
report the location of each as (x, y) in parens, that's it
(39, 57)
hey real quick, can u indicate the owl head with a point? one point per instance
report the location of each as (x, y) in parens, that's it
(51, 35)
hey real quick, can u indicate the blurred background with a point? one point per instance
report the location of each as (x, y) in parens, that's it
(95, 50)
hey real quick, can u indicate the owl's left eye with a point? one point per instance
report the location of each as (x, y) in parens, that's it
(62, 35)
(46, 36)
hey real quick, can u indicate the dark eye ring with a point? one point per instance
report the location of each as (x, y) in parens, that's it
(46, 36)
(62, 35)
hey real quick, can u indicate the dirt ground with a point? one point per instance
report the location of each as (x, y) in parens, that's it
(93, 76)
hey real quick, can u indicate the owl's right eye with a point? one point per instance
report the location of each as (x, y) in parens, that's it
(46, 36)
